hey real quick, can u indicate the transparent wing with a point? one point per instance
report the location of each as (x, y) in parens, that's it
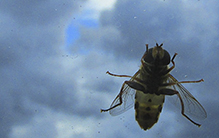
(192, 107)
(128, 99)
(127, 94)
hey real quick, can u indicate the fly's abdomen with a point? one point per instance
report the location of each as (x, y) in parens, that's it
(147, 109)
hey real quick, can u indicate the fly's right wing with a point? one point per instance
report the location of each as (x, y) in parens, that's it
(192, 107)
(125, 99)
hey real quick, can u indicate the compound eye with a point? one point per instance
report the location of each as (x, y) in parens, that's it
(148, 58)
(166, 58)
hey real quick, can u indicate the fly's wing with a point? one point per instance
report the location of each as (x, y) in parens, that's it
(127, 94)
(128, 98)
(192, 107)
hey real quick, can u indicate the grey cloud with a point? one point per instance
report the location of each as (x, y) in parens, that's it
(40, 12)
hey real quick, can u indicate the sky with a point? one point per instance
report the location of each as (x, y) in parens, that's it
(55, 54)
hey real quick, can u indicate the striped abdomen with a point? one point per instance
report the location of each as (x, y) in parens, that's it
(147, 109)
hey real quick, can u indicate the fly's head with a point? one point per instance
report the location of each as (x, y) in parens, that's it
(156, 56)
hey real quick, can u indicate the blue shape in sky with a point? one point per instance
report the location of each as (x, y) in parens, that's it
(90, 23)
(72, 34)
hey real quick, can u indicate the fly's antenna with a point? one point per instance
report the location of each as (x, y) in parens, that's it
(158, 44)
(161, 45)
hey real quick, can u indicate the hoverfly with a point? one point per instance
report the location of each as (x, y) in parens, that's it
(146, 90)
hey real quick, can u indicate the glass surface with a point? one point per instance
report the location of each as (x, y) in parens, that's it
(55, 54)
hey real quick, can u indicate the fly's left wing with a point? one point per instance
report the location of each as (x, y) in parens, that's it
(128, 99)
(125, 99)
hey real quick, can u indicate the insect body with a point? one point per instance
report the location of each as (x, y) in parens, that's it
(146, 90)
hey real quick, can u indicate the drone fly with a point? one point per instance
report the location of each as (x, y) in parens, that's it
(146, 90)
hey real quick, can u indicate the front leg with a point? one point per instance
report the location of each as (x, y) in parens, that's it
(118, 75)
(171, 68)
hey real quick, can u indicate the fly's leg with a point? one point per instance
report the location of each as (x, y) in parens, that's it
(173, 59)
(192, 81)
(174, 83)
(120, 100)
(172, 92)
(171, 68)
(142, 59)
(118, 75)
(132, 77)
(146, 47)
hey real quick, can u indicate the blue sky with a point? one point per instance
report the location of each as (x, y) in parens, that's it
(55, 54)
(73, 32)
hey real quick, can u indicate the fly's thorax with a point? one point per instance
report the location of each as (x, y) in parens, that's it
(152, 71)
(147, 109)
(152, 80)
